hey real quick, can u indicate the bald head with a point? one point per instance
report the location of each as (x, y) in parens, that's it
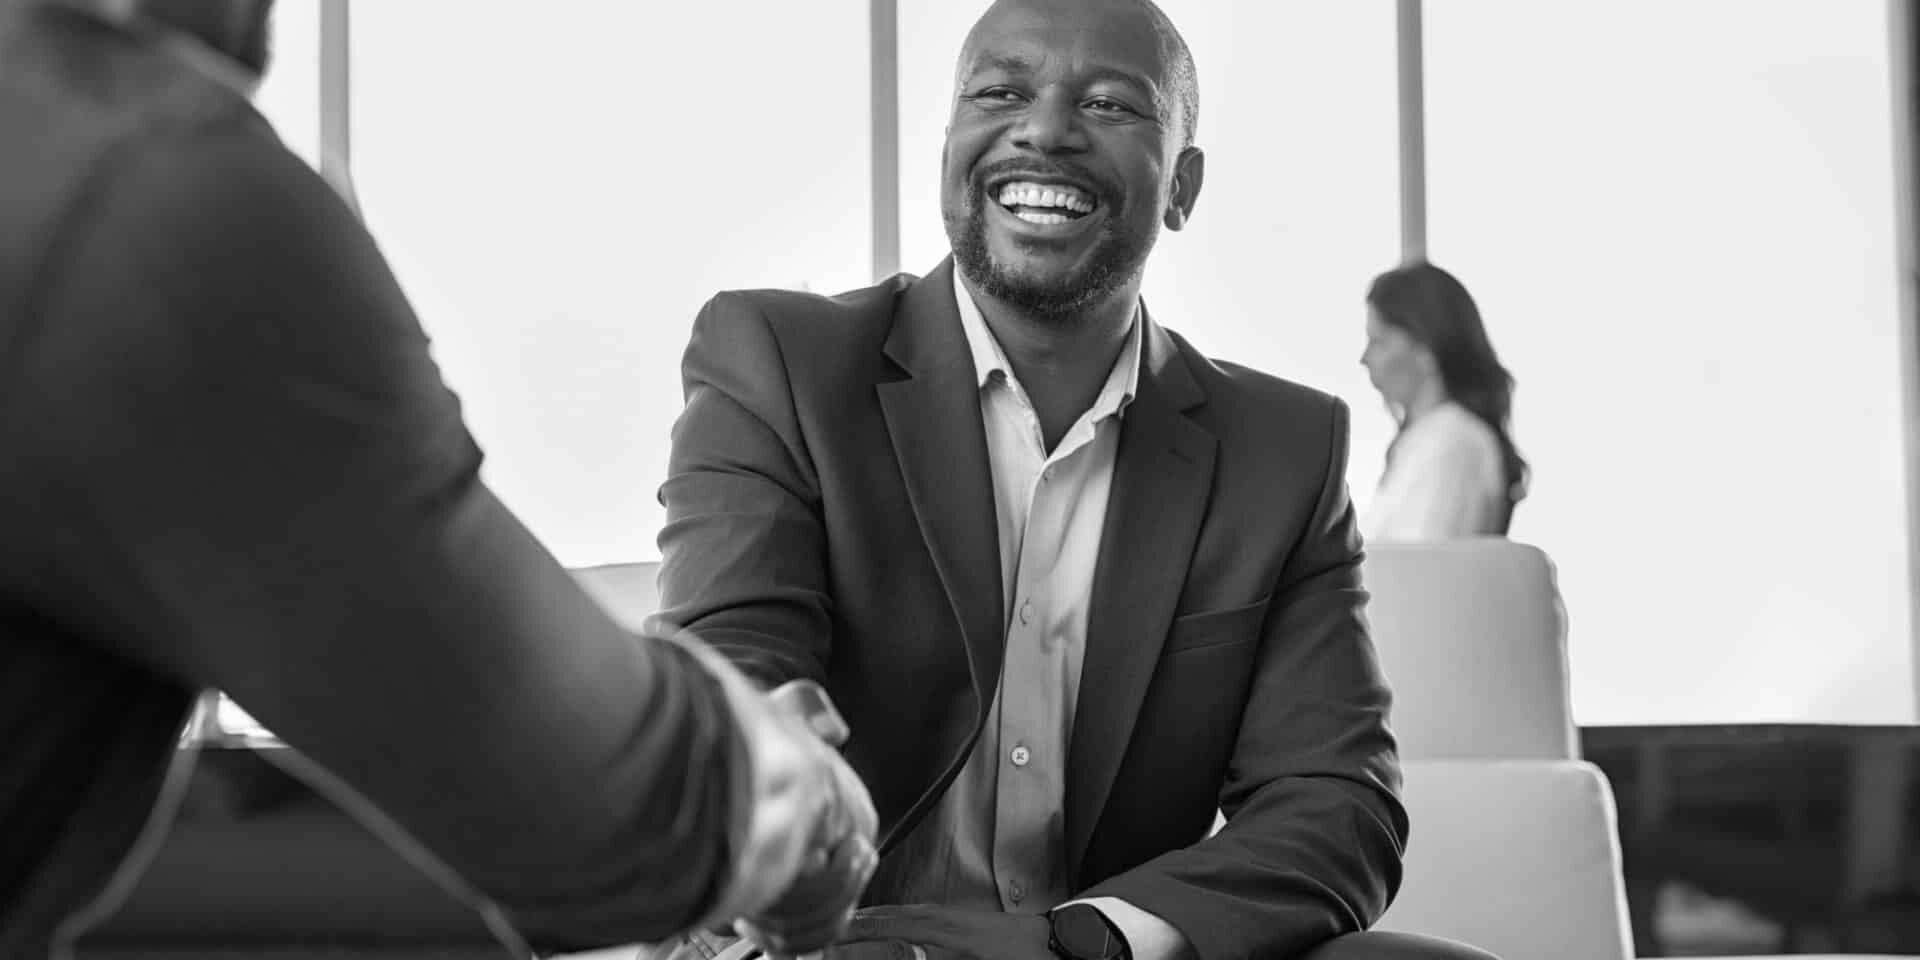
(1179, 84)
(1182, 80)
(1068, 150)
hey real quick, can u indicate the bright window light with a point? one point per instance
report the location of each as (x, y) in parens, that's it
(561, 187)
(289, 94)
(1678, 219)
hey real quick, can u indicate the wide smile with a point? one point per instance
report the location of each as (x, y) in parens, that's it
(1042, 208)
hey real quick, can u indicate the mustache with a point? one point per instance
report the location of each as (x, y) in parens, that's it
(1023, 168)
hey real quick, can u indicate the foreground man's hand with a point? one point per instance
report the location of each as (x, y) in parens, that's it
(804, 825)
(818, 904)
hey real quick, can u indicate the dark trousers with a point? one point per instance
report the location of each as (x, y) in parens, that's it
(1380, 945)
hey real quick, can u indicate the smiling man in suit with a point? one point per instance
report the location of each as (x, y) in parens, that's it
(1074, 585)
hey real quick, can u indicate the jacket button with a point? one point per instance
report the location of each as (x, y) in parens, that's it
(1020, 756)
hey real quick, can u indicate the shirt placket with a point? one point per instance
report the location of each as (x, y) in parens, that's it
(1030, 792)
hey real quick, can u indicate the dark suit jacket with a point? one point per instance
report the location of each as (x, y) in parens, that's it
(830, 515)
(227, 459)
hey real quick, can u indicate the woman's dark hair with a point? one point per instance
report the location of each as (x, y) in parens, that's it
(1433, 307)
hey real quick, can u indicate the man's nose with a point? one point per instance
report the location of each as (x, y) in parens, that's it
(1051, 125)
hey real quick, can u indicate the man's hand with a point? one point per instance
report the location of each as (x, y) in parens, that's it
(804, 825)
(944, 933)
(819, 902)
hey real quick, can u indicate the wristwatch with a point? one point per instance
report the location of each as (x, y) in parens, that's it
(1079, 931)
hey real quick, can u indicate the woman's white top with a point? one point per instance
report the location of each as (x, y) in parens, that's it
(1444, 480)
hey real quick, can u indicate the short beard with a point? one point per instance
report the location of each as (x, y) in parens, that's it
(1118, 256)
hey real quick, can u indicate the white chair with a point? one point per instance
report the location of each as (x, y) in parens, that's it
(1472, 637)
(1517, 857)
(1515, 842)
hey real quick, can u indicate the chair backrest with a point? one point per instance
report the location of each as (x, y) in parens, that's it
(629, 591)
(1519, 858)
(1472, 639)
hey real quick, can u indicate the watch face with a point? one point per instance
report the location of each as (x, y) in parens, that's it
(1083, 933)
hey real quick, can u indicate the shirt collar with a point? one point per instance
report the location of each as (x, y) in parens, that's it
(1123, 381)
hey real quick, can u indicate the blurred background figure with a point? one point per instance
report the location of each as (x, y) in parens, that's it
(1452, 470)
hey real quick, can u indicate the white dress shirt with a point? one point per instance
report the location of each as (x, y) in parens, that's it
(1002, 820)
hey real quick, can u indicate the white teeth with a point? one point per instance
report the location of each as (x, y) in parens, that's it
(1024, 194)
(1048, 218)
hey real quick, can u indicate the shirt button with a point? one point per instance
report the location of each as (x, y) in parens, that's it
(1016, 892)
(1020, 755)
(1026, 612)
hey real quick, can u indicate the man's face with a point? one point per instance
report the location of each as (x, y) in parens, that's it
(1062, 153)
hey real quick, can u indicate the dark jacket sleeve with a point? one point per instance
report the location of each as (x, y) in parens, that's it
(1315, 828)
(743, 552)
(254, 478)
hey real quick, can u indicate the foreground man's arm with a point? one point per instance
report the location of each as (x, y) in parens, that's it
(262, 484)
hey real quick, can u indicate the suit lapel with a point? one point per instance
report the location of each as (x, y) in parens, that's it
(1161, 476)
(933, 418)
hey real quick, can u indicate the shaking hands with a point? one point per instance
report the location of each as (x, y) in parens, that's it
(803, 825)
(818, 904)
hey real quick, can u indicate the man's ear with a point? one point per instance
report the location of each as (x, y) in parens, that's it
(1188, 171)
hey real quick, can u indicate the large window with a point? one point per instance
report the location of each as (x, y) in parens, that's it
(1677, 218)
(561, 187)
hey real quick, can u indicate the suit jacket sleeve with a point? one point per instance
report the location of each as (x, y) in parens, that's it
(252, 477)
(744, 550)
(1315, 829)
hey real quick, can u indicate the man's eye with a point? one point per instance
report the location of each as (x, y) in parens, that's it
(997, 95)
(1104, 105)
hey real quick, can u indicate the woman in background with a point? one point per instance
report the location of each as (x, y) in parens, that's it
(1452, 470)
